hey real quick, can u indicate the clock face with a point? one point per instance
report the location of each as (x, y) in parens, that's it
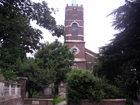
(75, 50)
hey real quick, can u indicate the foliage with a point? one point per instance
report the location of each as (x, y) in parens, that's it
(122, 55)
(15, 23)
(8, 58)
(129, 101)
(50, 65)
(127, 86)
(36, 94)
(84, 85)
(16, 31)
(57, 57)
(58, 100)
(38, 79)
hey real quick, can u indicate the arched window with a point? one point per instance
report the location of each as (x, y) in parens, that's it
(74, 29)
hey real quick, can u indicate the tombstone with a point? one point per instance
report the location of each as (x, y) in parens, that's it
(1, 85)
(48, 90)
(62, 91)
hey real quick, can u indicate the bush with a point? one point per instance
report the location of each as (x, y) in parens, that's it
(84, 85)
(129, 101)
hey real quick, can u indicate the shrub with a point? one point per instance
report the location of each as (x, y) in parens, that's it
(84, 85)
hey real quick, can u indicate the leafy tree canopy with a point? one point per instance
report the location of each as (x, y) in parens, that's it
(38, 78)
(16, 32)
(15, 25)
(57, 57)
(8, 58)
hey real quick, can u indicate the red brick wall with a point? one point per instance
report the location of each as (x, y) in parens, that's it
(81, 46)
(81, 65)
(74, 14)
(30, 101)
(105, 102)
(89, 59)
(74, 38)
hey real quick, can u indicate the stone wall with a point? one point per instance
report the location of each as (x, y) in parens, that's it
(30, 101)
(105, 102)
(10, 93)
(11, 101)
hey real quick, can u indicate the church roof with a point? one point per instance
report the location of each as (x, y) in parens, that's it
(89, 52)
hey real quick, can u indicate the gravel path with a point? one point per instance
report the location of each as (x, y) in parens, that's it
(62, 103)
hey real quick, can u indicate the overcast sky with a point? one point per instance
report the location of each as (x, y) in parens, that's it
(97, 26)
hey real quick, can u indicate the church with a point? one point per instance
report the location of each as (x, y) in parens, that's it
(74, 37)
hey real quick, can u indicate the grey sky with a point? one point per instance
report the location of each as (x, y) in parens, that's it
(97, 26)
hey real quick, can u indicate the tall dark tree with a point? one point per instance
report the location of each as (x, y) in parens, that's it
(122, 55)
(123, 51)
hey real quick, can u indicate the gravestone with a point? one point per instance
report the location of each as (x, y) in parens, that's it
(62, 91)
(1, 85)
(48, 90)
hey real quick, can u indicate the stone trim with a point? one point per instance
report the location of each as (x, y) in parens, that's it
(90, 54)
(78, 35)
(75, 20)
(74, 41)
(71, 26)
(114, 100)
(72, 9)
(79, 59)
(22, 78)
(89, 62)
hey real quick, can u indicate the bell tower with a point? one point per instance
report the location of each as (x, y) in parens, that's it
(74, 30)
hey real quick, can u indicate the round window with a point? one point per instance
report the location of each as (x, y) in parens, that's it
(75, 50)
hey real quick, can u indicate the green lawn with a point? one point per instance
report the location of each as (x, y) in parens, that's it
(58, 100)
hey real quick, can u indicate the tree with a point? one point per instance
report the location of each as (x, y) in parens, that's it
(121, 56)
(38, 79)
(15, 23)
(16, 30)
(8, 58)
(57, 57)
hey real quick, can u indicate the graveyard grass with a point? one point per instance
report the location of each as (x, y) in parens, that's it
(58, 100)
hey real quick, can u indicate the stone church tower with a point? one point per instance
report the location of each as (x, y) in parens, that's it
(74, 30)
